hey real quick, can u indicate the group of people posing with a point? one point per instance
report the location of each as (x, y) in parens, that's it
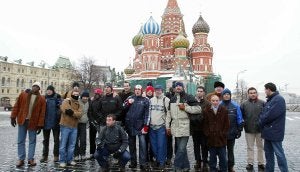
(162, 124)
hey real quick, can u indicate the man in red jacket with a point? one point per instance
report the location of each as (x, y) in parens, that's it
(29, 110)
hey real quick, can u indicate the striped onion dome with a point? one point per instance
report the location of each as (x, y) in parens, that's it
(201, 26)
(138, 39)
(181, 42)
(151, 27)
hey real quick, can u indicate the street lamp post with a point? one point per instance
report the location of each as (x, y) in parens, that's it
(237, 84)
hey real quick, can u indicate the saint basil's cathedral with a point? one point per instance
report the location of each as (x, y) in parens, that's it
(163, 50)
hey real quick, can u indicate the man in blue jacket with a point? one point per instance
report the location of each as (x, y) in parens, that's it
(236, 125)
(52, 117)
(272, 123)
(137, 124)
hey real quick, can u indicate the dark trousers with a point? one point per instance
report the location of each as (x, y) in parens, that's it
(102, 156)
(169, 147)
(46, 134)
(80, 146)
(215, 152)
(92, 134)
(230, 152)
(200, 143)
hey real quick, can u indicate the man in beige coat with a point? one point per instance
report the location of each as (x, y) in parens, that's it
(181, 107)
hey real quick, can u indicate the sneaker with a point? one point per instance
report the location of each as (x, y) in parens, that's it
(102, 169)
(43, 159)
(55, 159)
(261, 167)
(20, 163)
(132, 165)
(249, 167)
(62, 165)
(31, 163)
(72, 163)
(83, 158)
(231, 169)
(76, 158)
(169, 162)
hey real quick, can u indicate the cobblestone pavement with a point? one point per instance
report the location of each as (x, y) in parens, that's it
(8, 149)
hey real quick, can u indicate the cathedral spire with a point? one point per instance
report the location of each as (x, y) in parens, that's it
(172, 8)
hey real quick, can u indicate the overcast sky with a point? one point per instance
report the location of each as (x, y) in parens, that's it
(262, 37)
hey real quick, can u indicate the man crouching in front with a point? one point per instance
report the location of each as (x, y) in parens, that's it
(112, 140)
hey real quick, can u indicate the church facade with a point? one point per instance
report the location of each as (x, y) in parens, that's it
(163, 49)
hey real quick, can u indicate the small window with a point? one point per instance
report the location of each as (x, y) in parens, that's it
(2, 90)
(7, 91)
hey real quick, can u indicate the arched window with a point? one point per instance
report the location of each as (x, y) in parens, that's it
(8, 81)
(22, 83)
(3, 81)
(18, 82)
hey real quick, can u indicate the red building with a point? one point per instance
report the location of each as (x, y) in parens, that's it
(161, 49)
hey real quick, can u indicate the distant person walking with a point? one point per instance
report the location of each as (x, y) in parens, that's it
(272, 123)
(251, 110)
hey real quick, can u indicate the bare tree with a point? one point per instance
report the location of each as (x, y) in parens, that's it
(87, 73)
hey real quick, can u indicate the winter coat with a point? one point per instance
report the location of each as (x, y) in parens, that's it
(235, 116)
(158, 111)
(272, 118)
(110, 105)
(94, 111)
(123, 97)
(216, 126)
(52, 115)
(70, 121)
(197, 122)
(137, 116)
(251, 110)
(85, 108)
(114, 138)
(178, 120)
(21, 109)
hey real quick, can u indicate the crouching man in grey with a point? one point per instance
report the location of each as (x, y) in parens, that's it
(112, 140)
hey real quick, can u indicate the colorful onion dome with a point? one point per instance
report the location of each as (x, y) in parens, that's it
(181, 42)
(200, 26)
(138, 39)
(151, 27)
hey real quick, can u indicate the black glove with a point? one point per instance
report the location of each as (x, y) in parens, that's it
(117, 154)
(238, 135)
(38, 131)
(13, 122)
(69, 112)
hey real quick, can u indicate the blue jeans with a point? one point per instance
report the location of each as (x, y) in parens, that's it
(158, 141)
(22, 132)
(181, 160)
(142, 149)
(102, 155)
(270, 148)
(67, 144)
(221, 153)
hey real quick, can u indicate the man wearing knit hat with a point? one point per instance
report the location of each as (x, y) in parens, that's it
(178, 123)
(219, 87)
(137, 124)
(80, 147)
(52, 117)
(29, 113)
(236, 125)
(272, 123)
